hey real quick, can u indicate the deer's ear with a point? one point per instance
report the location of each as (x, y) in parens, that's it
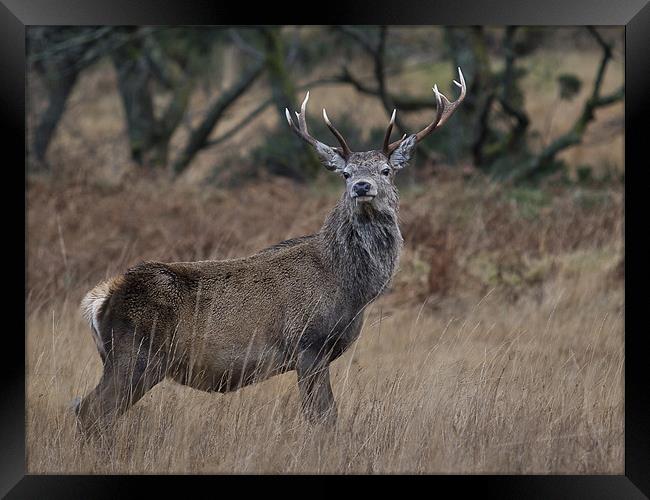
(402, 155)
(330, 159)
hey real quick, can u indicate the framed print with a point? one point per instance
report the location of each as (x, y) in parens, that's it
(368, 243)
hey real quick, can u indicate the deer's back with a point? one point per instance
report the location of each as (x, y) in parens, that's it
(223, 308)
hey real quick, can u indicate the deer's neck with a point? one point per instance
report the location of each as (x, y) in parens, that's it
(362, 244)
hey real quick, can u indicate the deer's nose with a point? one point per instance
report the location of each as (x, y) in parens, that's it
(361, 188)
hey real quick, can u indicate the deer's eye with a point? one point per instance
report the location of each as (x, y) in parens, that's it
(385, 171)
(347, 175)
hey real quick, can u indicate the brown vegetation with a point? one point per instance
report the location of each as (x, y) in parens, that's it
(512, 362)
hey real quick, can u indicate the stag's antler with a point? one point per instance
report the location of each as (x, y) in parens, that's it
(444, 110)
(304, 134)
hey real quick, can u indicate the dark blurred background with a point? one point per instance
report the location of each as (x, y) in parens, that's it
(208, 103)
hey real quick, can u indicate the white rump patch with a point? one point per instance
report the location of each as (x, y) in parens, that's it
(91, 305)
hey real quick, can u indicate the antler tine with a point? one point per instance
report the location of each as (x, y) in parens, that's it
(344, 145)
(450, 107)
(303, 132)
(304, 136)
(444, 110)
(302, 116)
(393, 145)
(441, 105)
(386, 145)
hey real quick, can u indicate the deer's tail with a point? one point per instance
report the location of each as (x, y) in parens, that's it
(92, 306)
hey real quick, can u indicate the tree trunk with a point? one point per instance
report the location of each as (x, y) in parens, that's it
(301, 159)
(59, 86)
(469, 52)
(133, 77)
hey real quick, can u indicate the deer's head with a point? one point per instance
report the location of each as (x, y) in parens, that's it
(369, 175)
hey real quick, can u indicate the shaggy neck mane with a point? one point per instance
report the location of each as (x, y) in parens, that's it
(362, 243)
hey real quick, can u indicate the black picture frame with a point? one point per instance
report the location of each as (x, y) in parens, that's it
(16, 15)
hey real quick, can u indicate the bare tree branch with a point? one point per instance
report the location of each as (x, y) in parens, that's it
(243, 123)
(292, 53)
(59, 68)
(575, 134)
(377, 52)
(403, 103)
(248, 119)
(389, 101)
(90, 45)
(506, 99)
(244, 46)
(505, 92)
(199, 137)
(360, 38)
(86, 37)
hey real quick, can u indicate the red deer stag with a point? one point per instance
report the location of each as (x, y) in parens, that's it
(297, 305)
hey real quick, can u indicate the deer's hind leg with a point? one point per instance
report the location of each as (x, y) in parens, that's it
(124, 381)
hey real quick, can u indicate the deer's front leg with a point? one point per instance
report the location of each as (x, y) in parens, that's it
(316, 396)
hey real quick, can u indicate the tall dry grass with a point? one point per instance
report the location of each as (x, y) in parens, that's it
(512, 363)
